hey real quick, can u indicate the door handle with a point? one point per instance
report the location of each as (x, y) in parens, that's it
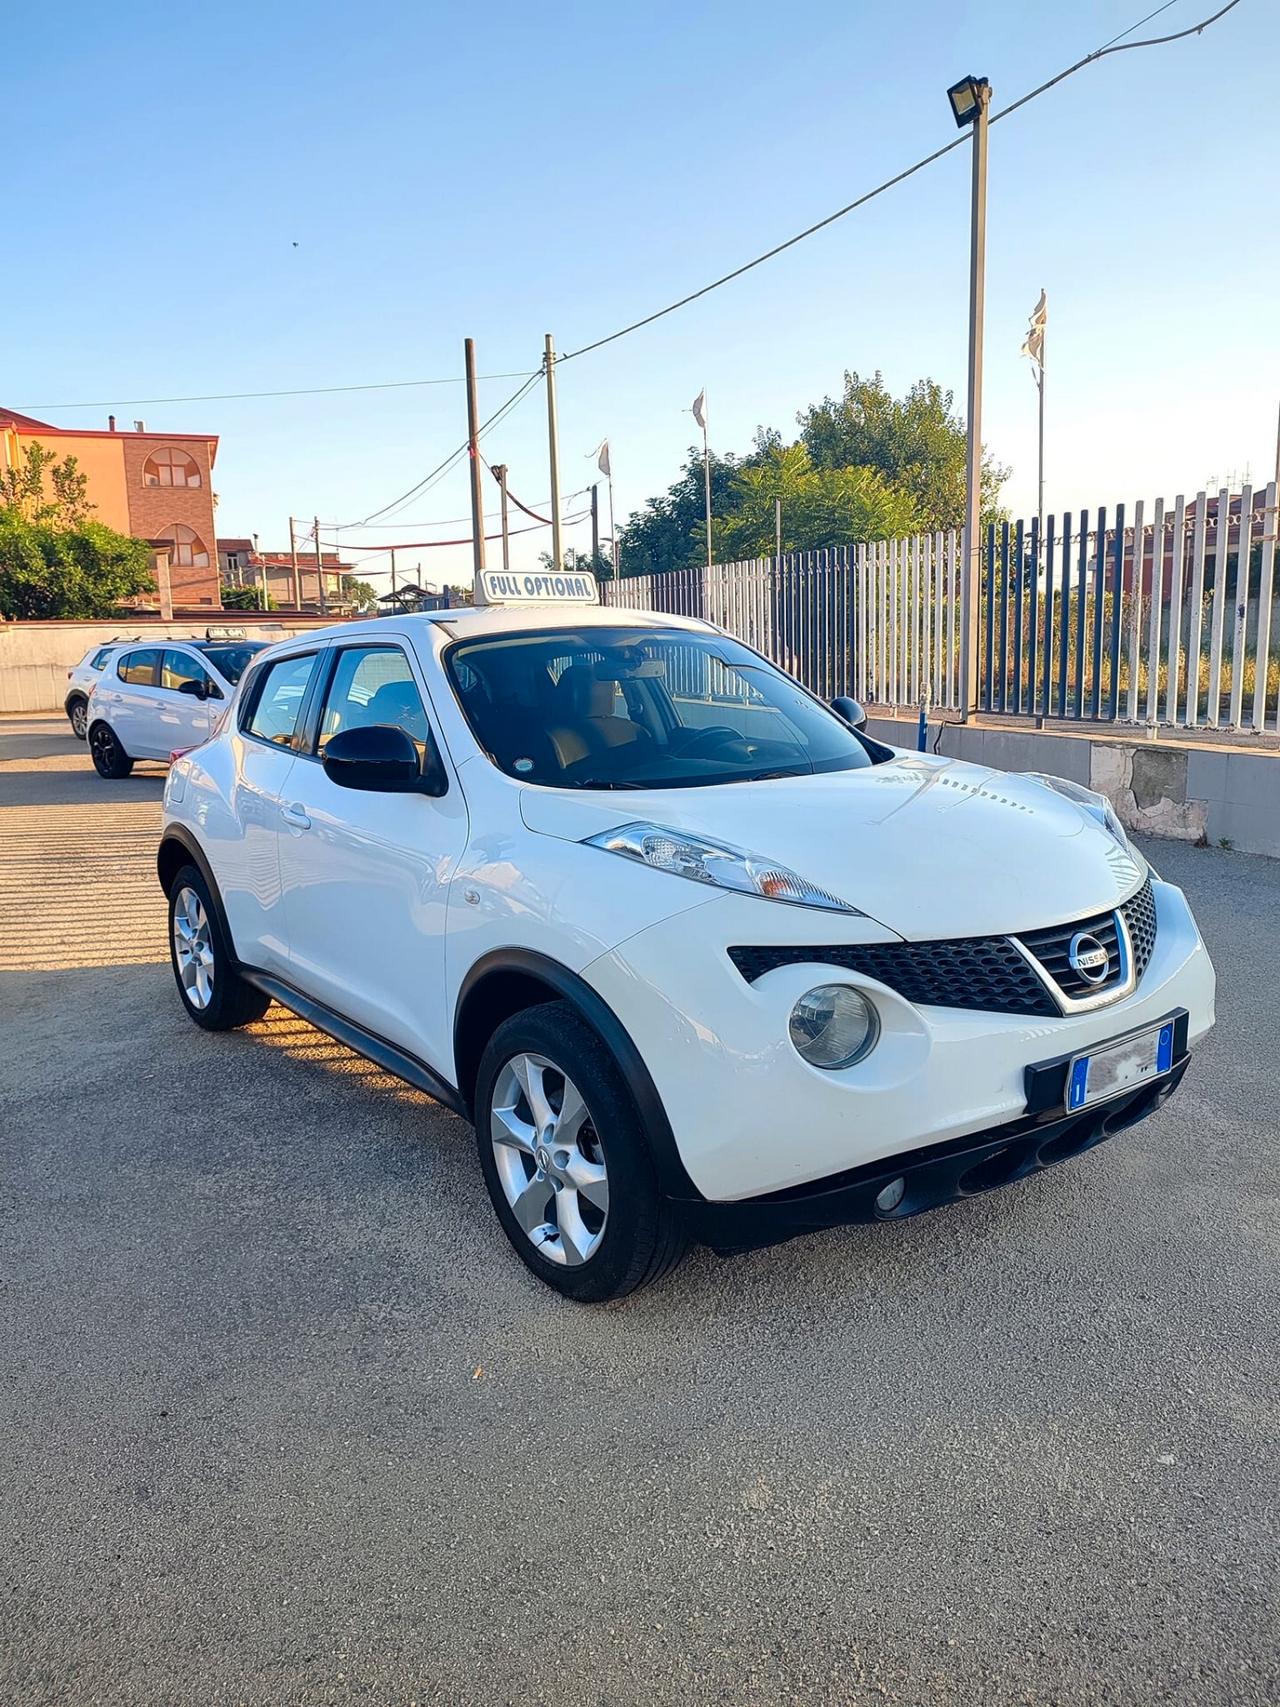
(295, 817)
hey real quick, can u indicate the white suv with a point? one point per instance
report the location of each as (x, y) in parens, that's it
(160, 698)
(697, 957)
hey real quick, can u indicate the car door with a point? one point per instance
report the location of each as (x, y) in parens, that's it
(188, 700)
(366, 876)
(268, 720)
(130, 705)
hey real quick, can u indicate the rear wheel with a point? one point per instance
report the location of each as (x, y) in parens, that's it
(565, 1159)
(78, 713)
(109, 757)
(209, 982)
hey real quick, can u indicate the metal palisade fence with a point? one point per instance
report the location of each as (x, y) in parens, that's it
(1164, 614)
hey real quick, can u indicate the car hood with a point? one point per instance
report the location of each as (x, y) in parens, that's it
(929, 847)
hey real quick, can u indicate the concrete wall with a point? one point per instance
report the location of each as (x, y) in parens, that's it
(1192, 793)
(35, 656)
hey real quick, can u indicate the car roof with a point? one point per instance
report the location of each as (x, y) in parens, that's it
(465, 621)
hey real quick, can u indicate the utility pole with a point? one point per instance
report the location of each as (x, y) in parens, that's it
(971, 590)
(501, 472)
(293, 560)
(595, 526)
(477, 493)
(393, 578)
(553, 446)
(777, 532)
(324, 602)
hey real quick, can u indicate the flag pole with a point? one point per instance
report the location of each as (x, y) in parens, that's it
(613, 532)
(1040, 386)
(706, 480)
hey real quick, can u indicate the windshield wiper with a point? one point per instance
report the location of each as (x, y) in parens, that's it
(609, 782)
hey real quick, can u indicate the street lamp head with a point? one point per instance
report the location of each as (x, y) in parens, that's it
(966, 98)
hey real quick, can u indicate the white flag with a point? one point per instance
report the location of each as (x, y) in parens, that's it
(700, 409)
(1033, 343)
(601, 454)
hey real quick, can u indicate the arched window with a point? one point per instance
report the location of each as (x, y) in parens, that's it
(170, 468)
(186, 548)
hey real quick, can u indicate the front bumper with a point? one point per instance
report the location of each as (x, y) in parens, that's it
(752, 1120)
(930, 1178)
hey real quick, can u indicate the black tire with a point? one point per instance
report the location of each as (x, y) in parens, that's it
(642, 1237)
(109, 757)
(232, 1001)
(78, 717)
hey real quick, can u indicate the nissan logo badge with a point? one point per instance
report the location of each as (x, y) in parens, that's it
(1089, 958)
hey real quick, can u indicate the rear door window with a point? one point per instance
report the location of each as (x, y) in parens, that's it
(274, 703)
(140, 669)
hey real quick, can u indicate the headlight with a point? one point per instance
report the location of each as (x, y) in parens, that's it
(716, 863)
(833, 1026)
(1096, 805)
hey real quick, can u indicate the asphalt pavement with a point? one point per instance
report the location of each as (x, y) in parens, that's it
(284, 1421)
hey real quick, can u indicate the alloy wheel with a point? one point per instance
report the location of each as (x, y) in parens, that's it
(549, 1159)
(79, 715)
(102, 746)
(192, 949)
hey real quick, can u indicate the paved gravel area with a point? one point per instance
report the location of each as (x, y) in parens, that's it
(284, 1422)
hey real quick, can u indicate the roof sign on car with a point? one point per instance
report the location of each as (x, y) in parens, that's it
(507, 587)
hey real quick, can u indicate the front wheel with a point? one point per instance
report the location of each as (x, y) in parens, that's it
(565, 1159)
(109, 757)
(214, 994)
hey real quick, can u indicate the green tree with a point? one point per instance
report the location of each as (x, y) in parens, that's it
(670, 532)
(57, 571)
(916, 442)
(364, 598)
(247, 597)
(820, 506)
(42, 488)
(580, 563)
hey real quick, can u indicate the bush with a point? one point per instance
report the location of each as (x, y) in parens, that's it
(81, 570)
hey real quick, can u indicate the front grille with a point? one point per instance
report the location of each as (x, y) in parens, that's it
(984, 973)
(1051, 948)
(1140, 916)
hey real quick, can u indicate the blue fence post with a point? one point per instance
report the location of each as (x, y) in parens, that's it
(1019, 576)
(1047, 691)
(1117, 599)
(988, 674)
(1082, 572)
(1002, 695)
(1064, 619)
(1099, 612)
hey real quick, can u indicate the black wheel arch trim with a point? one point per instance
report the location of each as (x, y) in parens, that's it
(673, 1177)
(188, 843)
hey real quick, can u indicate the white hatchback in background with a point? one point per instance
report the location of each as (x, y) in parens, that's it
(697, 956)
(165, 696)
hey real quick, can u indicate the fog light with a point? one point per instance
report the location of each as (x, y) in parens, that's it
(890, 1196)
(833, 1026)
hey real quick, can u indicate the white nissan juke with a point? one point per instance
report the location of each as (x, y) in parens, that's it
(699, 958)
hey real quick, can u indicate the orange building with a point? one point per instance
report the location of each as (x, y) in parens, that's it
(156, 486)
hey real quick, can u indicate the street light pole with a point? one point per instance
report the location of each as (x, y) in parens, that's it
(971, 103)
(553, 448)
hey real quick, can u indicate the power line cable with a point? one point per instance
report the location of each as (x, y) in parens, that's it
(1116, 45)
(239, 396)
(442, 468)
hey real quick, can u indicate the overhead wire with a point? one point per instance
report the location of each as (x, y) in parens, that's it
(1116, 45)
(297, 391)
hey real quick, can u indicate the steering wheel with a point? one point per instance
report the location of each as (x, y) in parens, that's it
(717, 735)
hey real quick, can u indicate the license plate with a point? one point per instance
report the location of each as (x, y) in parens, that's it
(1114, 1068)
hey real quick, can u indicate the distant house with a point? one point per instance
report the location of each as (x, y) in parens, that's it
(243, 565)
(155, 486)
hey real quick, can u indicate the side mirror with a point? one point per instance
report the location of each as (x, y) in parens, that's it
(850, 711)
(381, 759)
(195, 689)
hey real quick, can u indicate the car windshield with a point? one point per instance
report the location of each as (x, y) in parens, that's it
(232, 660)
(642, 708)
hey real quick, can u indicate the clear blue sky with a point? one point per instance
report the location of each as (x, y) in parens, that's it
(506, 170)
